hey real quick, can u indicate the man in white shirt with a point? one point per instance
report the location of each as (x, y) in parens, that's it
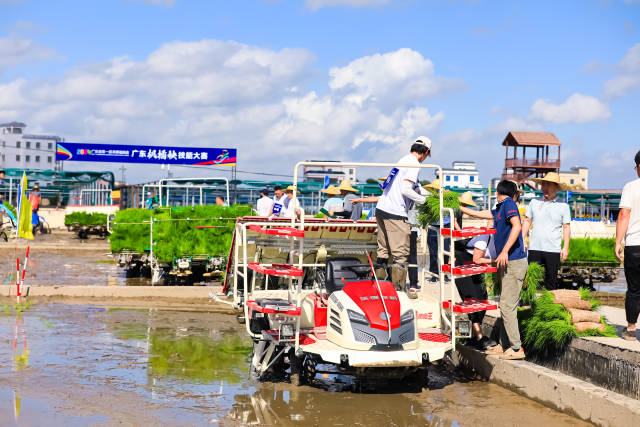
(628, 227)
(551, 219)
(264, 203)
(401, 190)
(278, 201)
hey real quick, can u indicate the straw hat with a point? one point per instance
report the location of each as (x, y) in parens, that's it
(331, 190)
(290, 188)
(435, 185)
(552, 177)
(346, 186)
(467, 199)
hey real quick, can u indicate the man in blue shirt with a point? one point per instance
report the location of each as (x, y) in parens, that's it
(512, 265)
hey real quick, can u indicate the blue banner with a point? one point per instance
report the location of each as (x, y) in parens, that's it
(327, 182)
(86, 152)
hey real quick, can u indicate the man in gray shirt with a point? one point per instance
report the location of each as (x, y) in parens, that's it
(551, 221)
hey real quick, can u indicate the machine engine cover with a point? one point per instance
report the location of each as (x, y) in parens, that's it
(356, 317)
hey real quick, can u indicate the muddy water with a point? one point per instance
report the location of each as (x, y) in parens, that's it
(79, 365)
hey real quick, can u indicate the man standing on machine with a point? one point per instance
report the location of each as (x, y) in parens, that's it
(400, 190)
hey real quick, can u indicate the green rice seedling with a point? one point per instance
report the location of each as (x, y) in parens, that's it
(592, 249)
(429, 211)
(85, 218)
(549, 328)
(175, 233)
(535, 275)
(609, 331)
(587, 295)
(491, 282)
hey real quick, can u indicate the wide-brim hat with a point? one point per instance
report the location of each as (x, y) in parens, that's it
(35, 187)
(346, 186)
(552, 177)
(434, 185)
(332, 190)
(466, 198)
(290, 188)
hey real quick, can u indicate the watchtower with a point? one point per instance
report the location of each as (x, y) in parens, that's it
(520, 169)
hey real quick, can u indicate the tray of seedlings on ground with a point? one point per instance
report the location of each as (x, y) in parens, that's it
(590, 260)
(86, 224)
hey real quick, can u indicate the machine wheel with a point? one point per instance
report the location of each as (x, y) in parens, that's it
(423, 377)
(296, 377)
(309, 370)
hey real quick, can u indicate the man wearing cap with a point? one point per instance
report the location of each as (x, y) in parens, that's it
(264, 203)
(349, 209)
(401, 191)
(551, 219)
(628, 227)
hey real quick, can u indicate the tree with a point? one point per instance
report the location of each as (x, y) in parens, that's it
(372, 181)
(425, 182)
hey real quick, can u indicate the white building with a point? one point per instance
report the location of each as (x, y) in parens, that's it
(461, 175)
(25, 151)
(335, 173)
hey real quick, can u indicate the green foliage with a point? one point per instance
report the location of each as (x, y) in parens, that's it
(535, 275)
(491, 282)
(130, 231)
(547, 329)
(592, 249)
(85, 218)
(429, 212)
(11, 208)
(372, 181)
(174, 230)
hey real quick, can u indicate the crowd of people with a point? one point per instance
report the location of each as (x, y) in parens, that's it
(542, 235)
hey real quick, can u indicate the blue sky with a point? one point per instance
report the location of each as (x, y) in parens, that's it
(284, 81)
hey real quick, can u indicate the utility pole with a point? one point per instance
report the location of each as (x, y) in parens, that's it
(123, 170)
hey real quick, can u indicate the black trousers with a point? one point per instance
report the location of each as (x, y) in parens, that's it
(470, 286)
(413, 259)
(632, 273)
(551, 262)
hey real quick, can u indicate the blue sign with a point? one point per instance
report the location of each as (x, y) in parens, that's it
(327, 182)
(81, 152)
(569, 194)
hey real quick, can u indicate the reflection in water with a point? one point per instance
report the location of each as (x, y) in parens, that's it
(276, 404)
(198, 358)
(20, 354)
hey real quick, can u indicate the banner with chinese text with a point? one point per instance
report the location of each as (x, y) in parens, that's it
(81, 152)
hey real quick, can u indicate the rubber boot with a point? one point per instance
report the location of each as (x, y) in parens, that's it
(399, 276)
(381, 268)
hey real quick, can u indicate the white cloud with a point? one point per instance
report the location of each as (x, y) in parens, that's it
(17, 50)
(578, 108)
(317, 4)
(400, 76)
(628, 75)
(216, 93)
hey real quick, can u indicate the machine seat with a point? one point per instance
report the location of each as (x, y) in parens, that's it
(348, 268)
